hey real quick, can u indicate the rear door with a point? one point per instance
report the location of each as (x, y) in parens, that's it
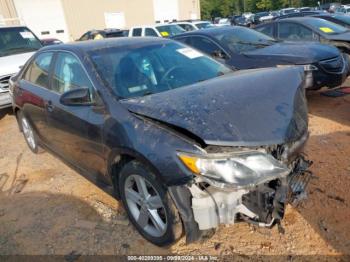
(75, 131)
(33, 93)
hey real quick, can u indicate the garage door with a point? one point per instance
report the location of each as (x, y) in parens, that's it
(44, 17)
(166, 10)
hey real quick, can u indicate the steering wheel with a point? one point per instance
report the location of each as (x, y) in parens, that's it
(168, 73)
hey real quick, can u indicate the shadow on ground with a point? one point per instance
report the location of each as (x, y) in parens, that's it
(44, 223)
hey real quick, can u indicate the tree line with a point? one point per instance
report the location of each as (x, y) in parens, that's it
(224, 8)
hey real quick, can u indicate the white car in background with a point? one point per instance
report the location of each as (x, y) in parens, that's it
(195, 25)
(157, 30)
(223, 22)
(17, 45)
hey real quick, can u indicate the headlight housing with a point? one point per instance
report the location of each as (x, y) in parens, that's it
(307, 68)
(241, 170)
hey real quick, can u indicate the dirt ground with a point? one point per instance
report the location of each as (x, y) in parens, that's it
(47, 208)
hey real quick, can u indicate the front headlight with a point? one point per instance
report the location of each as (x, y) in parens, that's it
(307, 68)
(310, 68)
(241, 169)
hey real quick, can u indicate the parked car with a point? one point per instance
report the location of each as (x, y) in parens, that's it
(244, 48)
(241, 21)
(183, 141)
(290, 10)
(17, 45)
(223, 22)
(157, 30)
(50, 41)
(269, 17)
(343, 20)
(257, 16)
(299, 14)
(101, 34)
(343, 10)
(308, 29)
(196, 25)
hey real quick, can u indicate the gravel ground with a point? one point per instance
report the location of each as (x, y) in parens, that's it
(47, 208)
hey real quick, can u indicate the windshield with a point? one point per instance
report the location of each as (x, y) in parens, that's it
(170, 30)
(344, 18)
(289, 11)
(325, 26)
(241, 39)
(140, 70)
(17, 40)
(204, 25)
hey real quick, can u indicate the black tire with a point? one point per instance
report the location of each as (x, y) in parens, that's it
(173, 228)
(34, 145)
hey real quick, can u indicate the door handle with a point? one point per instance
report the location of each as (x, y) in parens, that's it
(49, 106)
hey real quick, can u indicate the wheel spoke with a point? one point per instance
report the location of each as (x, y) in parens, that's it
(141, 186)
(133, 196)
(155, 202)
(156, 220)
(143, 218)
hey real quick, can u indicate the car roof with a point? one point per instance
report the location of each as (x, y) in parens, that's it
(210, 31)
(90, 45)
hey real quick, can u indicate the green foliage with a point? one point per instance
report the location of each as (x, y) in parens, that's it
(224, 8)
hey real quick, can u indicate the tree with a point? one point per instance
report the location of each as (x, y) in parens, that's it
(264, 5)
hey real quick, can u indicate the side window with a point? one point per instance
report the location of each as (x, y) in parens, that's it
(69, 74)
(187, 27)
(266, 29)
(294, 32)
(204, 45)
(150, 32)
(84, 37)
(38, 71)
(137, 32)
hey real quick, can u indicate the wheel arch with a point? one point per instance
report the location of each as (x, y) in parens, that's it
(119, 157)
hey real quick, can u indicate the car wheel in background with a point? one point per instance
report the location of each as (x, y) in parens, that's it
(148, 205)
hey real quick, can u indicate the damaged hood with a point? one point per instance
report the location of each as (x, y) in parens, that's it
(295, 53)
(246, 108)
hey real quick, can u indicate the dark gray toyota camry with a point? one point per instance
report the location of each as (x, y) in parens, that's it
(183, 141)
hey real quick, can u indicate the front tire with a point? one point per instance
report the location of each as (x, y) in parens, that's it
(148, 205)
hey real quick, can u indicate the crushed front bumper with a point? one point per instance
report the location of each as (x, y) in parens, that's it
(262, 205)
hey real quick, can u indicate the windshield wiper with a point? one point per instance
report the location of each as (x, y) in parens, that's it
(252, 43)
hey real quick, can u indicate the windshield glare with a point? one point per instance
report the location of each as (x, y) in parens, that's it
(170, 30)
(153, 68)
(326, 26)
(241, 39)
(17, 40)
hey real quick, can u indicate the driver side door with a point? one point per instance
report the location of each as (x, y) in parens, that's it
(75, 130)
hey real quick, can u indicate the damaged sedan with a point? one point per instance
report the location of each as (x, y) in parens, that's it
(185, 143)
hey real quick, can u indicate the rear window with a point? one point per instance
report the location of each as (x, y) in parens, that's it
(17, 40)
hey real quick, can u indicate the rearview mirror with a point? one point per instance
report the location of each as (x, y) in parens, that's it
(76, 97)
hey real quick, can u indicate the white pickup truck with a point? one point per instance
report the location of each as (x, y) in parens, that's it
(157, 30)
(17, 45)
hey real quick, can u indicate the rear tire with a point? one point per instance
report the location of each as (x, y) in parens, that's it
(148, 205)
(29, 134)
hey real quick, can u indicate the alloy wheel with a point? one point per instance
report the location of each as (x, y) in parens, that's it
(28, 133)
(145, 205)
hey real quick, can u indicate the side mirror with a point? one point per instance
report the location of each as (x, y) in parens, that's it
(76, 97)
